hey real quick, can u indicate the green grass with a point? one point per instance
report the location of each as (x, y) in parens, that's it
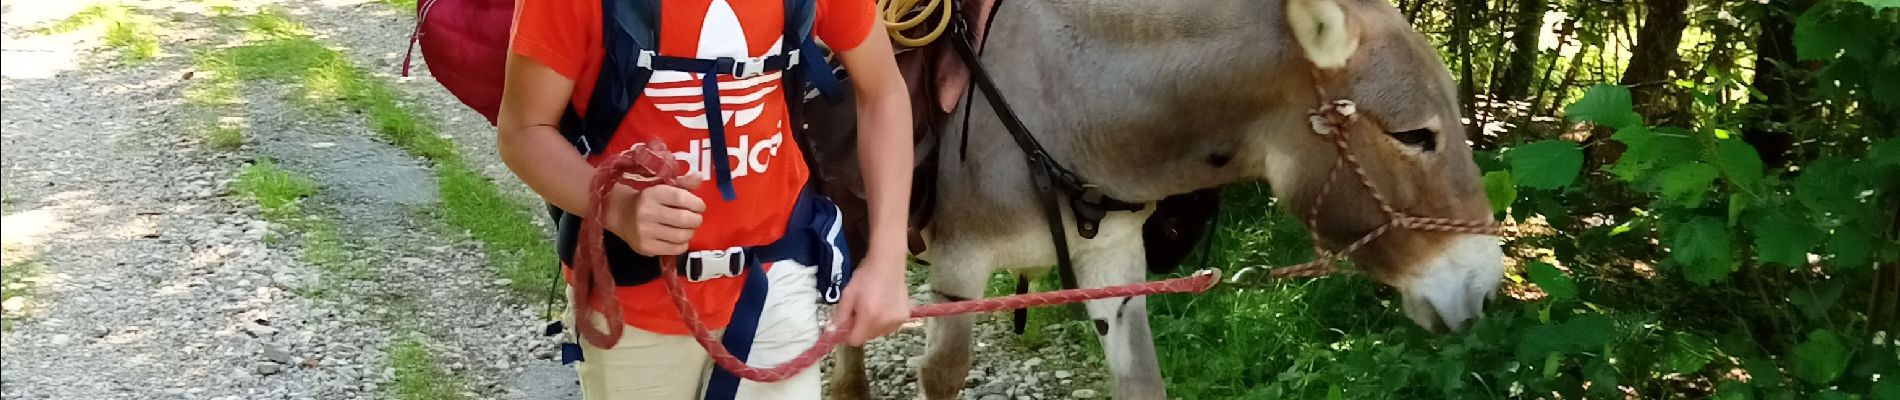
(15, 289)
(222, 72)
(133, 35)
(325, 247)
(328, 84)
(226, 135)
(85, 18)
(520, 248)
(136, 41)
(222, 10)
(417, 376)
(282, 194)
(1261, 342)
(215, 83)
(273, 23)
(400, 5)
(1045, 325)
(1229, 343)
(278, 191)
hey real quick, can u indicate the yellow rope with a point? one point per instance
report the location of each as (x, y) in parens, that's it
(892, 12)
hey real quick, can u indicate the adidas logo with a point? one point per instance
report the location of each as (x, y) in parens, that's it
(748, 157)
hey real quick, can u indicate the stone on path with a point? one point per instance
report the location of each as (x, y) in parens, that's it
(277, 355)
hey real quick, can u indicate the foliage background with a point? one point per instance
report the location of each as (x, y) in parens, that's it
(1702, 200)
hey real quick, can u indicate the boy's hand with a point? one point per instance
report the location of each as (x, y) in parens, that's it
(657, 221)
(876, 302)
(878, 299)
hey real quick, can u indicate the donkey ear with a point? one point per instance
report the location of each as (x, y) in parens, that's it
(1321, 27)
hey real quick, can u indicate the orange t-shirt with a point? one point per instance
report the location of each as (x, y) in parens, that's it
(767, 169)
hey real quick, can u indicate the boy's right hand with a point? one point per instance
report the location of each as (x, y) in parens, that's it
(658, 221)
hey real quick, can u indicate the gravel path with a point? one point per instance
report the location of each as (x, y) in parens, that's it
(156, 282)
(152, 283)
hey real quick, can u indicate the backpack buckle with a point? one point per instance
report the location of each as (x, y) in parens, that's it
(705, 265)
(749, 68)
(645, 61)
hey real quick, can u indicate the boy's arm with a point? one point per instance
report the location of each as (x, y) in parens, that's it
(658, 221)
(533, 99)
(879, 302)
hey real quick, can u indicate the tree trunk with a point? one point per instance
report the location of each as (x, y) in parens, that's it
(1883, 306)
(1543, 84)
(1562, 90)
(1654, 58)
(1461, 26)
(1775, 76)
(1652, 61)
(1522, 56)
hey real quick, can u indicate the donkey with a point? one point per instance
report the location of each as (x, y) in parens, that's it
(1149, 99)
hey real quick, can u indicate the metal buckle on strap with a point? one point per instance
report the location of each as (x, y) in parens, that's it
(705, 265)
(835, 291)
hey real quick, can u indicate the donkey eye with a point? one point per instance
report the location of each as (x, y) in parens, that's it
(1421, 138)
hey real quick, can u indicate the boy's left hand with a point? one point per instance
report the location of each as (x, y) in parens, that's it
(876, 301)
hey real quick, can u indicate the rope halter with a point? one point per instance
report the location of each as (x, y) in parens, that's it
(1330, 121)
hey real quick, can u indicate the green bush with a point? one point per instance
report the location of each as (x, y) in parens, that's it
(1680, 265)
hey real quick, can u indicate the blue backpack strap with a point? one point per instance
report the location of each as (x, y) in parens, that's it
(740, 331)
(800, 15)
(627, 28)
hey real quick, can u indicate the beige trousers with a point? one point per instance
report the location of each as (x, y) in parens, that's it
(650, 366)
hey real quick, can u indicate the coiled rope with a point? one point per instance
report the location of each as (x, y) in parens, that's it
(893, 13)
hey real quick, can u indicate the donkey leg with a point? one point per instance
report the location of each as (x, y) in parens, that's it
(960, 275)
(848, 381)
(1116, 258)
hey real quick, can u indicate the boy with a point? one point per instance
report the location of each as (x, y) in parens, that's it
(555, 54)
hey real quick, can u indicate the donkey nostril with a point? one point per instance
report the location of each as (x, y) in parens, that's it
(1220, 159)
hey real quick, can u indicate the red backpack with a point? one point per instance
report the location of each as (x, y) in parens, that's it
(472, 36)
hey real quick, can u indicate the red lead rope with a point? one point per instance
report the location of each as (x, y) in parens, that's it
(647, 165)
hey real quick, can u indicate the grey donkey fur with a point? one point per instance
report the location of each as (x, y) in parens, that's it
(1149, 99)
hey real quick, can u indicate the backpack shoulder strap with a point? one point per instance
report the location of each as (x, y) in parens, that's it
(799, 17)
(629, 28)
(812, 69)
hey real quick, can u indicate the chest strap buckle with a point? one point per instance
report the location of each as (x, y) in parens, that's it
(705, 265)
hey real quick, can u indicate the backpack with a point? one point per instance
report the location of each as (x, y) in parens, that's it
(466, 44)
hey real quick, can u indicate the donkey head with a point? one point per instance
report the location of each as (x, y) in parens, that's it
(1406, 134)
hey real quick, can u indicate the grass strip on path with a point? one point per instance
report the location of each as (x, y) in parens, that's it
(400, 5)
(328, 84)
(279, 49)
(281, 194)
(418, 376)
(133, 35)
(16, 287)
